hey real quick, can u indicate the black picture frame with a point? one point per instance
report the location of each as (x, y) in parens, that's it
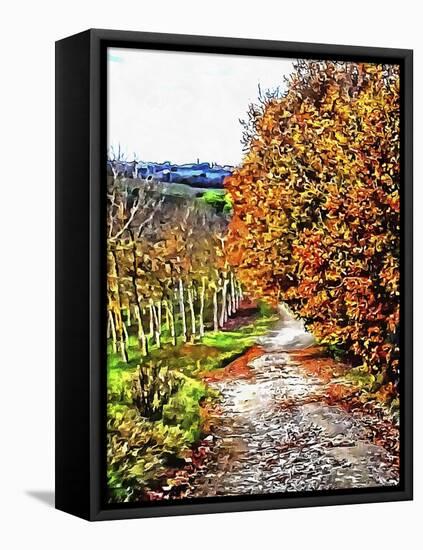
(81, 124)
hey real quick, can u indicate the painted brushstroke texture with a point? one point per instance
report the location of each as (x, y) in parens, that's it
(253, 299)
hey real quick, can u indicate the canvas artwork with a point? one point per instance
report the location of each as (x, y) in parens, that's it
(253, 276)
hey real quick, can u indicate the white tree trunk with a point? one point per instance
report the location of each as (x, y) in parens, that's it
(182, 310)
(113, 332)
(150, 309)
(202, 296)
(171, 320)
(241, 296)
(233, 297)
(192, 312)
(215, 314)
(157, 326)
(141, 334)
(223, 310)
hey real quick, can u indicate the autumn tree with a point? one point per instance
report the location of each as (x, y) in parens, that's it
(316, 206)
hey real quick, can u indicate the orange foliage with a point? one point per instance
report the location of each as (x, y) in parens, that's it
(315, 363)
(316, 207)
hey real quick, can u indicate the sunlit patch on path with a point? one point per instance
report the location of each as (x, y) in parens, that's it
(280, 430)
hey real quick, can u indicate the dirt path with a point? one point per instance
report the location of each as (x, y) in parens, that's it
(276, 432)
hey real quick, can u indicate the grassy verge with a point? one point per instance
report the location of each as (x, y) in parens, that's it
(142, 452)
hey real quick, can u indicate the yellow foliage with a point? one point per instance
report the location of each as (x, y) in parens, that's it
(316, 206)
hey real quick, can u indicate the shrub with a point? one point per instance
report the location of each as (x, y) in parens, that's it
(221, 202)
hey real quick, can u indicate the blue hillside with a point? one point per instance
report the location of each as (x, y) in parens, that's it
(201, 174)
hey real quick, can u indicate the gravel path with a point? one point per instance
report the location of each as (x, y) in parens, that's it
(275, 432)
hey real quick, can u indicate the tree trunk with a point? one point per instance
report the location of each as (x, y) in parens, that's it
(159, 314)
(170, 315)
(113, 332)
(192, 312)
(137, 307)
(236, 294)
(215, 315)
(123, 338)
(202, 296)
(182, 310)
(157, 327)
(128, 315)
(150, 311)
(125, 341)
(229, 299)
(223, 310)
(109, 328)
(241, 295)
(233, 297)
(229, 302)
(167, 311)
(120, 328)
(141, 333)
(121, 334)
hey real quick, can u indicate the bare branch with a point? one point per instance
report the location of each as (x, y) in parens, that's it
(134, 210)
(150, 217)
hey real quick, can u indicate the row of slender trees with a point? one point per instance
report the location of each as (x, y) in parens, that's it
(167, 268)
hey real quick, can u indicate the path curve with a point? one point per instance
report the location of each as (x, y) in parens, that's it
(275, 432)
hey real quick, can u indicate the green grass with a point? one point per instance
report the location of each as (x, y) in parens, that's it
(155, 444)
(214, 351)
(242, 338)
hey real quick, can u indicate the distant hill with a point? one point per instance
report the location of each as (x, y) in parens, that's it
(200, 174)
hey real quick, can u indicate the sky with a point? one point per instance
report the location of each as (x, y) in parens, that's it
(182, 107)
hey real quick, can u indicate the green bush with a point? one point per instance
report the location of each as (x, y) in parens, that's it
(220, 201)
(183, 409)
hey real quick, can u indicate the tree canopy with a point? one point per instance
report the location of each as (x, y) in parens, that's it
(316, 206)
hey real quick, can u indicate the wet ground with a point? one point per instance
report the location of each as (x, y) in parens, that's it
(275, 431)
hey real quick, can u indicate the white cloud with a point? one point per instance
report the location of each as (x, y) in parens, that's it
(182, 106)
